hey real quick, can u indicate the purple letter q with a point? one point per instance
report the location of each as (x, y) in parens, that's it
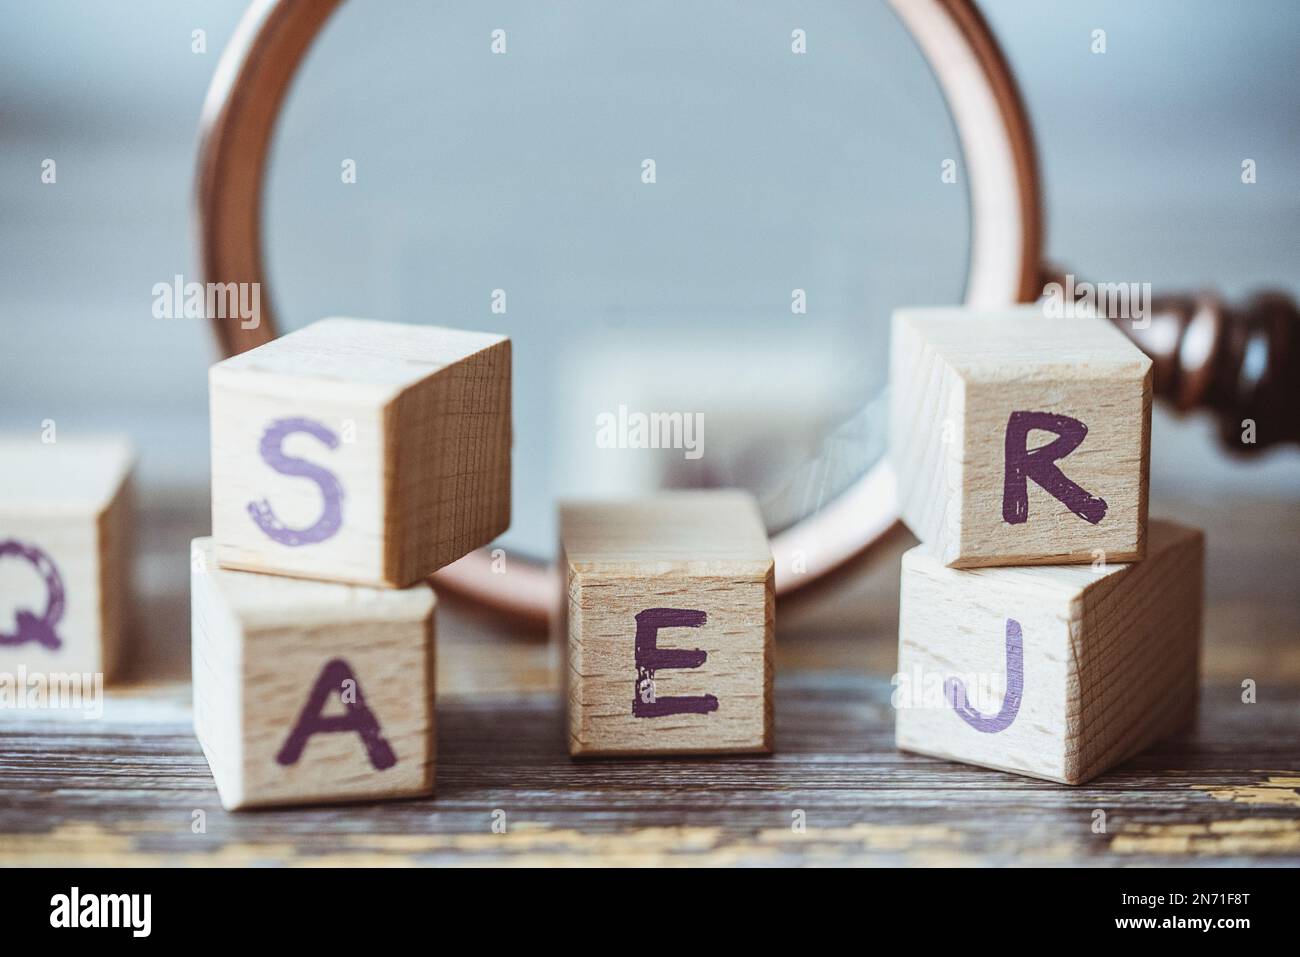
(331, 491)
(30, 628)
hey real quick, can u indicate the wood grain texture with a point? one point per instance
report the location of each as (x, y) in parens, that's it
(412, 422)
(123, 791)
(645, 568)
(264, 645)
(956, 377)
(66, 513)
(1069, 669)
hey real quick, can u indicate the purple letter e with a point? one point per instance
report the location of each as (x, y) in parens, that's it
(650, 657)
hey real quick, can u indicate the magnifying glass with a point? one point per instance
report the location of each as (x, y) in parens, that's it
(693, 221)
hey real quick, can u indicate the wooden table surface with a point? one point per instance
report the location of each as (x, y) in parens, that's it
(133, 788)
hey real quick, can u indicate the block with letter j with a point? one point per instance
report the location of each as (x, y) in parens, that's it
(668, 617)
(1019, 439)
(1057, 672)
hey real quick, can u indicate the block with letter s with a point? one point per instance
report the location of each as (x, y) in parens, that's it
(359, 451)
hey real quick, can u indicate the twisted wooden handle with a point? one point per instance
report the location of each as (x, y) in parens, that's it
(1241, 363)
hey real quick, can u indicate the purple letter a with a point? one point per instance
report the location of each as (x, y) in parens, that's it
(358, 718)
(1039, 464)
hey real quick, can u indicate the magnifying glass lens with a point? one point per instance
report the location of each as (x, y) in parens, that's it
(693, 221)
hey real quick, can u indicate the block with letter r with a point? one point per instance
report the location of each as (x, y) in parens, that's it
(1019, 439)
(668, 617)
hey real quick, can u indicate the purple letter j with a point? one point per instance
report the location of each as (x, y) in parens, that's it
(650, 657)
(955, 690)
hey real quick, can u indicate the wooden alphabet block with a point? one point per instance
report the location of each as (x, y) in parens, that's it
(358, 451)
(668, 624)
(311, 692)
(65, 554)
(1019, 439)
(1057, 672)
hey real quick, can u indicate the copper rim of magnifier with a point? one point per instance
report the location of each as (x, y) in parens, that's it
(238, 121)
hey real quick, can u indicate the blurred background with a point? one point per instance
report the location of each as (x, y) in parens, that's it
(523, 173)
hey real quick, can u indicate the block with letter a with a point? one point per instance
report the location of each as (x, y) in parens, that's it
(309, 692)
(1056, 672)
(359, 451)
(1019, 439)
(668, 617)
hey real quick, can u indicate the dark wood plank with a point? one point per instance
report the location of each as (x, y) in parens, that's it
(124, 791)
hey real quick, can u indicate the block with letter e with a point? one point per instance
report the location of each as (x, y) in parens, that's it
(668, 617)
(360, 451)
(1019, 439)
(1056, 672)
(310, 692)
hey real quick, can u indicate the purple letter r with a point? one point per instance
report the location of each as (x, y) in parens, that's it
(1039, 464)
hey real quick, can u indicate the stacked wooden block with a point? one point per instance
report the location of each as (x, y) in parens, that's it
(1045, 626)
(350, 460)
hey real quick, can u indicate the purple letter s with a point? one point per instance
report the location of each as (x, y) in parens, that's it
(331, 491)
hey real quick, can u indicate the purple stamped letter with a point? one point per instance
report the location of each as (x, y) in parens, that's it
(358, 719)
(955, 690)
(1039, 464)
(331, 491)
(650, 657)
(30, 627)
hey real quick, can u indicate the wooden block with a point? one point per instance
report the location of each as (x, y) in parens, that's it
(66, 529)
(668, 624)
(1057, 672)
(1019, 439)
(358, 451)
(311, 692)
